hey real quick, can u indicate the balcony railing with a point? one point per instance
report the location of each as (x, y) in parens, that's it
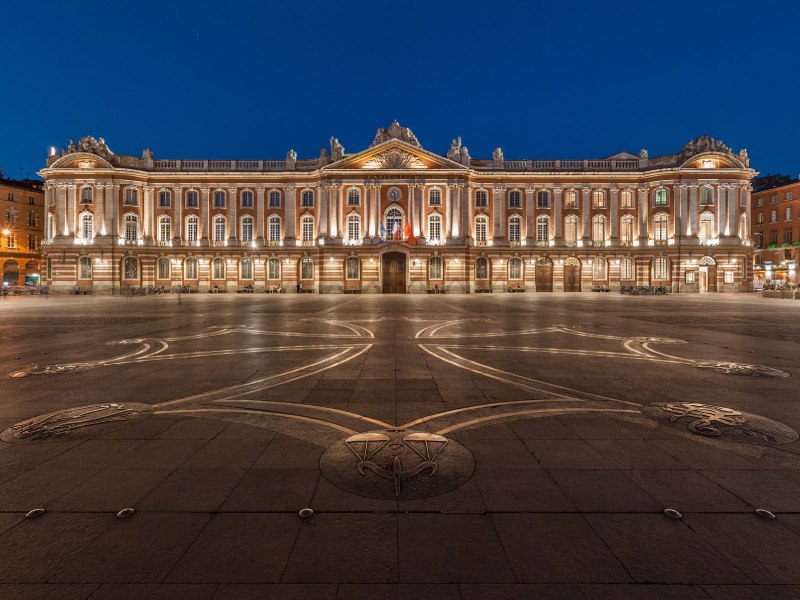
(220, 165)
(572, 165)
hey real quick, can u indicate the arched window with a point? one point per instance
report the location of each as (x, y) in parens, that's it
(515, 268)
(219, 199)
(570, 199)
(598, 229)
(542, 229)
(543, 199)
(571, 230)
(192, 199)
(164, 199)
(190, 268)
(84, 267)
(706, 195)
(164, 228)
(353, 197)
(661, 197)
(598, 199)
(626, 199)
(273, 268)
(218, 268)
(87, 226)
(482, 268)
(705, 230)
(661, 268)
(435, 197)
(131, 197)
(626, 271)
(481, 227)
(247, 199)
(274, 230)
(352, 267)
(274, 199)
(661, 227)
(481, 198)
(353, 228)
(130, 267)
(219, 228)
(394, 221)
(307, 228)
(246, 268)
(192, 225)
(163, 270)
(247, 229)
(435, 267)
(515, 229)
(599, 269)
(626, 230)
(307, 268)
(435, 228)
(514, 199)
(307, 198)
(131, 227)
(87, 194)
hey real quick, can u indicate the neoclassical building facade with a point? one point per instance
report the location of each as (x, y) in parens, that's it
(396, 218)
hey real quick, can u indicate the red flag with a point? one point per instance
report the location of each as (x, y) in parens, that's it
(407, 230)
(411, 240)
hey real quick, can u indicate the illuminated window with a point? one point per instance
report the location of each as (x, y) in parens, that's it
(435, 268)
(130, 267)
(788, 214)
(246, 268)
(598, 229)
(661, 197)
(542, 229)
(307, 228)
(515, 199)
(481, 226)
(87, 226)
(626, 230)
(247, 229)
(192, 225)
(247, 199)
(759, 218)
(190, 268)
(273, 268)
(131, 227)
(435, 227)
(164, 228)
(661, 268)
(727, 276)
(626, 269)
(218, 268)
(599, 269)
(354, 227)
(163, 269)
(661, 227)
(219, 229)
(481, 198)
(131, 197)
(514, 229)
(515, 268)
(482, 268)
(274, 229)
(352, 267)
(85, 267)
(598, 199)
(570, 199)
(394, 221)
(626, 199)
(571, 230)
(307, 268)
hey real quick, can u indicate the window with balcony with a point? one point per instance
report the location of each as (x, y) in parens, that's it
(219, 224)
(542, 229)
(571, 230)
(164, 229)
(307, 229)
(354, 228)
(598, 229)
(131, 227)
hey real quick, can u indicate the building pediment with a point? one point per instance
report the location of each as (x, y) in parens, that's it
(81, 160)
(396, 155)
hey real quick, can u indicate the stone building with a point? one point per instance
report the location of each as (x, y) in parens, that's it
(21, 231)
(397, 218)
(776, 228)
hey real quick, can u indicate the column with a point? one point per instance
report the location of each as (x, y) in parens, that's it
(233, 201)
(340, 212)
(559, 223)
(378, 215)
(72, 206)
(746, 189)
(205, 211)
(530, 194)
(643, 205)
(455, 197)
(260, 215)
(148, 213)
(62, 218)
(420, 228)
(177, 222)
(682, 210)
(112, 210)
(324, 217)
(722, 210)
(290, 210)
(691, 228)
(331, 202)
(614, 209)
(469, 213)
(586, 220)
(448, 205)
(99, 209)
(733, 209)
(499, 214)
(368, 231)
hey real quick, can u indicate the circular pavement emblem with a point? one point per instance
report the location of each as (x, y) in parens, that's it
(733, 368)
(70, 423)
(718, 421)
(394, 463)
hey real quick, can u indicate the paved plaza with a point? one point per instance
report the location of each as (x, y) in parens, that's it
(495, 446)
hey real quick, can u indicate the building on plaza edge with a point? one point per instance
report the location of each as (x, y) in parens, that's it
(21, 231)
(396, 218)
(776, 229)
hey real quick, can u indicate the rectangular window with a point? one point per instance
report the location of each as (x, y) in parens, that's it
(480, 230)
(191, 230)
(164, 199)
(788, 214)
(131, 197)
(787, 236)
(33, 219)
(773, 236)
(164, 230)
(773, 199)
(11, 240)
(247, 199)
(31, 242)
(274, 199)
(727, 276)
(32, 200)
(759, 218)
(274, 230)
(219, 199)
(219, 230)
(626, 199)
(542, 231)
(481, 198)
(543, 199)
(192, 200)
(773, 216)
(514, 230)
(273, 269)
(788, 195)
(247, 230)
(435, 229)
(10, 196)
(515, 199)
(626, 269)
(689, 276)
(164, 269)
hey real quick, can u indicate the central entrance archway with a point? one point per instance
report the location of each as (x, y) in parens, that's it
(572, 275)
(394, 273)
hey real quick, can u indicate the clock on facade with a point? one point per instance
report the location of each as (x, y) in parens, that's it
(394, 194)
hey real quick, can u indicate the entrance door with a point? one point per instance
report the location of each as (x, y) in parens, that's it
(544, 277)
(572, 278)
(703, 280)
(712, 279)
(394, 273)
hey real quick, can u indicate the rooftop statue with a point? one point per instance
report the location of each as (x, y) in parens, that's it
(395, 132)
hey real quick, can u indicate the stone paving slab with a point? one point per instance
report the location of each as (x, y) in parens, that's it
(546, 392)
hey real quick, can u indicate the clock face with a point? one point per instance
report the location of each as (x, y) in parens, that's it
(394, 194)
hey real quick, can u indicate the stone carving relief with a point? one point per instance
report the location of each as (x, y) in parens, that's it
(394, 159)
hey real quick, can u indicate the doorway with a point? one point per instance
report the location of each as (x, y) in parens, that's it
(572, 275)
(544, 275)
(394, 273)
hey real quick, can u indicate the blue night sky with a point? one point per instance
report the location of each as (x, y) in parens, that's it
(253, 79)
